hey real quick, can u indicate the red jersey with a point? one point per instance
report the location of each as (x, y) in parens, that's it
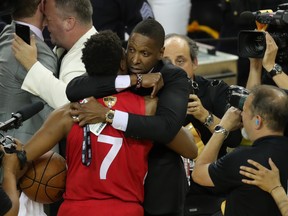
(115, 178)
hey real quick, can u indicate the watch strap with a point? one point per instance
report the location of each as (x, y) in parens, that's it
(220, 129)
(277, 69)
(209, 120)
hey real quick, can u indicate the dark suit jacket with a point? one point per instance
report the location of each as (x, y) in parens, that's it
(121, 16)
(165, 185)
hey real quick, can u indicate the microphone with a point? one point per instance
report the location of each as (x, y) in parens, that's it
(247, 17)
(22, 115)
(278, 18)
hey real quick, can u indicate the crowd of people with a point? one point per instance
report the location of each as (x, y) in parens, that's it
(143, 93)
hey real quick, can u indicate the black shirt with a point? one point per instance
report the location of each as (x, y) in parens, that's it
(243, 199)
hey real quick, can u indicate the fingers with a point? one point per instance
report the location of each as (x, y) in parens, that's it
(248, 175)
(76, 119)
(154, 91)
(255, 164)
(246, 181)
(33, 41)
(272, 165)
(248, 170)
(74, 109)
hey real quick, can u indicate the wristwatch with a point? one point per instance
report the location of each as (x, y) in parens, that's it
(277, 69)
(220, 129)
(209, 120)
(109, 116)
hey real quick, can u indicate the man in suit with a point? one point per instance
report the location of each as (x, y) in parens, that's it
(165, 186)
(125, 192)
(69, 26)
(12, 73)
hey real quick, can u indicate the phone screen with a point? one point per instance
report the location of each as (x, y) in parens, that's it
(23, 31)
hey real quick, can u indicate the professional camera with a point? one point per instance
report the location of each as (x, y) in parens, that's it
(236, 96)
(8, 143)
(252, 43)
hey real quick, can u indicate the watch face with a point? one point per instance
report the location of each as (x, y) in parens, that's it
(218, 128)
(278, 67)
(110, 115)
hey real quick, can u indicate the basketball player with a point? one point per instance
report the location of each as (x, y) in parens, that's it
(106, 170)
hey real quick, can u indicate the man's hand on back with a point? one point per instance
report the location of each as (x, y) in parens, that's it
(90, 112)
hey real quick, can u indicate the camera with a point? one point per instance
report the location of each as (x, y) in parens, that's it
(236, 96)
(8, 143)
(252, 43)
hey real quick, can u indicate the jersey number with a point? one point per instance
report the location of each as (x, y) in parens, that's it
(116, 143)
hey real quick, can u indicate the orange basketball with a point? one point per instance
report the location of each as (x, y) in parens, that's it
(44, 181)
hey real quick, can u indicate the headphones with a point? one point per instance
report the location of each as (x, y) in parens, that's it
(257, 122)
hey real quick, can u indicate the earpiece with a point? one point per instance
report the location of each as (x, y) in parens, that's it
(257, 122)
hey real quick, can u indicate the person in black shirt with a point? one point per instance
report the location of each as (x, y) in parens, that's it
(208, 98)
(264, 118)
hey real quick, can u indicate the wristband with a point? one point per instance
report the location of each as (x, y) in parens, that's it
(22, 157)
(139, 80)
(275, 188)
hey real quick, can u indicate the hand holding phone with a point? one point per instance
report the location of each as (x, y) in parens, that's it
(23, 31)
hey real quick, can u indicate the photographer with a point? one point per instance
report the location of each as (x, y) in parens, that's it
(264, 117)
(274, 73)
(9, 194)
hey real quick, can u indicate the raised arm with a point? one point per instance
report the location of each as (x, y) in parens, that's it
(56, 127)
(281, 79)
(87, 86)
(40, 79)
(170, 113)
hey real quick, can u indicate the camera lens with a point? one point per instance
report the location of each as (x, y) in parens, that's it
(255, 44)
(252, 44)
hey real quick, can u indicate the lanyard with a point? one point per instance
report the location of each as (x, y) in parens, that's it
(86, 146)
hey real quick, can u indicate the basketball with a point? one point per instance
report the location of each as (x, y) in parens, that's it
(44, 181)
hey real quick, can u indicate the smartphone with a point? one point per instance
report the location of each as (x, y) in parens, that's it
(23, 32)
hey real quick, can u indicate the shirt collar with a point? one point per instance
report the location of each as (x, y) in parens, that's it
(34, 29)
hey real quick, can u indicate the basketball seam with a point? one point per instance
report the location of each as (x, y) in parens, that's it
(42, 176)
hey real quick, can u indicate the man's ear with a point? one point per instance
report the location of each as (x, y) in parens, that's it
(123, 66)
(195, 64)
(161, 53)
(42, 6)
(69, 23)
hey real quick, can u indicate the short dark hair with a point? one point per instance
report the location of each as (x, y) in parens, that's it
(102, 53)
(152, 29)
(193, 47)
(25, 8)
(271, 103)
